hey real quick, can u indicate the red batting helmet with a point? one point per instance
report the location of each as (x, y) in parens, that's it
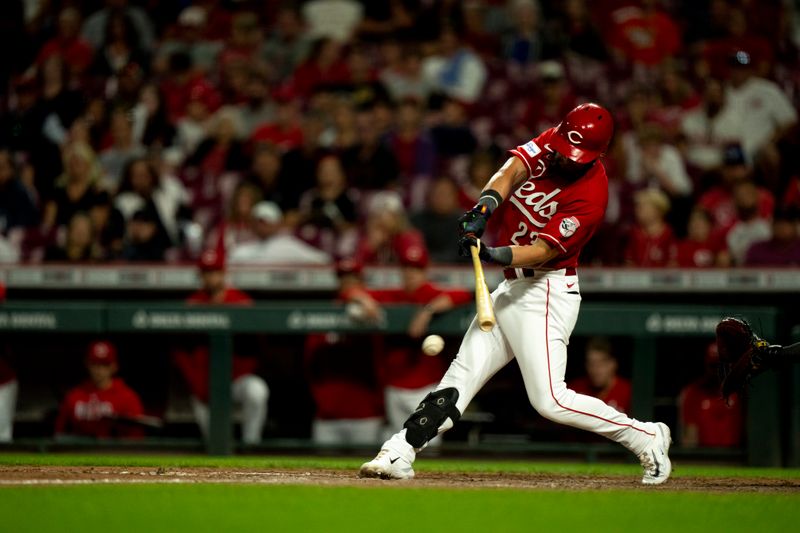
(584, 133)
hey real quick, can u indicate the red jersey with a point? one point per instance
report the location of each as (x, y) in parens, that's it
(717, 424)
(193, 364)
(719, 202)
(694, 254)
(89, 411)
(563, 212)
(402, 364)
(618, 395)
(645, 250)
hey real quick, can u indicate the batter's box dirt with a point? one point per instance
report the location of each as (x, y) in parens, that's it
(66, 475)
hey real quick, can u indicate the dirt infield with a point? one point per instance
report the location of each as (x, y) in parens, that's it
(78, 475)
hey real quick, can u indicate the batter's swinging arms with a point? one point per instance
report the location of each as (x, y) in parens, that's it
(553, 190)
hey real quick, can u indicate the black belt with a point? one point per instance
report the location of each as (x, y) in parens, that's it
(511, 273)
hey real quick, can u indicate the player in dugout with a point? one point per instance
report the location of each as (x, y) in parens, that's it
(405, 371)
(549, 197)
(248, 389)
(103, 406)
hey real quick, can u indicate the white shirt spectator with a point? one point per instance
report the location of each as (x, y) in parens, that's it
(94, 29)
(280, 249)
(336, 19)
(764, 109)
(706, 137)
(744, 234)
(461, 75)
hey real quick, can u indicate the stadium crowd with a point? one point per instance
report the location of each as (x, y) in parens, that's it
(308, 132)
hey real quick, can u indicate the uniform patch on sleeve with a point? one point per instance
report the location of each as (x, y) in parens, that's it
(568, 227)
(531, 148)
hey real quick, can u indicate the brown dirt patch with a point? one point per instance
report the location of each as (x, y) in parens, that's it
(66, 475)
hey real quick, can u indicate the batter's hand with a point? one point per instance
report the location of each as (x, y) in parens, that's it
(473, 221)
(500, 255)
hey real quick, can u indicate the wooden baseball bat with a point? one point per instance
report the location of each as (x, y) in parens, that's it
(483, 302)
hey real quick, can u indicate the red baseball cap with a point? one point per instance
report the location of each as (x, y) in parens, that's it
(349, 265)
(211, 260)
(584, 134)
(412, 253)
(101, 353)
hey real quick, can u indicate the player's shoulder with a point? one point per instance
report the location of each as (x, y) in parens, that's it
(236, 296)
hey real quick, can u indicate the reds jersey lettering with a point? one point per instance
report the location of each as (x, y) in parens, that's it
(563, 212)
(93, 409)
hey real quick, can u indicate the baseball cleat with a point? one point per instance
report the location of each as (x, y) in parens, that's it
(387, 465)
(655, 459)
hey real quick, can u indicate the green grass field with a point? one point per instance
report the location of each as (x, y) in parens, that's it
(382, 506)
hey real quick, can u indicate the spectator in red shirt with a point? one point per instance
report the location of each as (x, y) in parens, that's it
(247, 389)
(76, 51)
(103, 406)
(644, 35)
(285, 132)
(651, 242)
(387, 229)
(699, 249)
(705, 418)
(406, 373)
(601, 379)
(325, 65)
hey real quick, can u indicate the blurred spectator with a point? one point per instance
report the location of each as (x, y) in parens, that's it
(103, 406)
(123, 149)
(710, 127)
(287, 44)
(766, 111)
(247, 388)
(438, 220)
(189, 38)
(274, 245)
(652, 162)
(451, 133)
(482, 165)
(265, 175)
(328, 212)
(193, 127)
(405, 372)
(238, 225)
(413, 149)
(387, 231)
(643, 35)
(325, 65)
(59, 103)
(241, 51)
(151, 125)
(734, 37)
(705, 418)
(143, 241)
(651, 242)
(332, 19)
(284, 132)
(80, 244)
(76, 52)
(402, 72)
(601, 379)
(578, 33)
(370, 164)
(551, 103)
(749, 227)
(95, 27)
(258, 107)
(524, 44)
(783, 249)
(298, 167)
(454, 69)
(700, 248)
(162, 196)
(17, 203)
(179, 82)
(121, 46)
(719, 200)
(76, 189)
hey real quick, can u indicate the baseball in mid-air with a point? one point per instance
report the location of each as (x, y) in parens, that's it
(432, 345)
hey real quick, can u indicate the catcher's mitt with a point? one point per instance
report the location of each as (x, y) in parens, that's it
(742, 354)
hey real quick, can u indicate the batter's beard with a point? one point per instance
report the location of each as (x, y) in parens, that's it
(570, 171)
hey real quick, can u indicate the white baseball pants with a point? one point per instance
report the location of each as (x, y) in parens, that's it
(535, 318)
(8, 402)
(251, 393)
(347, 431)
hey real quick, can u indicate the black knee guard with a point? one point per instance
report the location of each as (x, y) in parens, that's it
(437, 407)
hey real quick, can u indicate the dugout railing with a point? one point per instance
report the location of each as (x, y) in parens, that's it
(646, 325)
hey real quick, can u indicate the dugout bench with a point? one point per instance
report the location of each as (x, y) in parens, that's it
(645, 324)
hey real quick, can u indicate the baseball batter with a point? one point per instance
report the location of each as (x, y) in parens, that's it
(548, 198)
